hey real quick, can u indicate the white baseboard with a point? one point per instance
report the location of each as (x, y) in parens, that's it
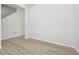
(11, 37)
(26, 37)
(41, 39)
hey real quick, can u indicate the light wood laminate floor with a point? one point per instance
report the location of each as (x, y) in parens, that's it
(21, 46)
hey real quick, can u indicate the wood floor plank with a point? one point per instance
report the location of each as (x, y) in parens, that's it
(21, 46)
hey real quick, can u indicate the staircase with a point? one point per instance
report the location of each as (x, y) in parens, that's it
(6, 10)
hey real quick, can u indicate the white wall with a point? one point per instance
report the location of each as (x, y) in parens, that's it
(55, 23)
(0, 25)
(77, 28)
(13, 25)
(21, 5)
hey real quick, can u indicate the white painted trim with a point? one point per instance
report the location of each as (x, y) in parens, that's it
(26, 37)
(11, 37)
(41, 39)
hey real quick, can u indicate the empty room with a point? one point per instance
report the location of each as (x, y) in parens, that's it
(39, 29)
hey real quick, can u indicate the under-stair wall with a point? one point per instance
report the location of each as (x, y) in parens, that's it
(6, 11)
(13, 25)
